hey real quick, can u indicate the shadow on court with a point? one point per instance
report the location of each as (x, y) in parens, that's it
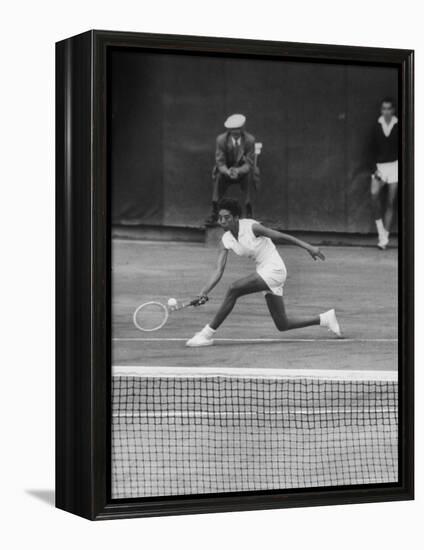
(360, 283)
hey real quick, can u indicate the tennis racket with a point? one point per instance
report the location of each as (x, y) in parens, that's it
(152, 316)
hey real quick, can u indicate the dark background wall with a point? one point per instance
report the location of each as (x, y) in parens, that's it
(314, 121)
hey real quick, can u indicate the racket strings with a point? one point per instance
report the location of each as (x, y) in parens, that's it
(150, 316)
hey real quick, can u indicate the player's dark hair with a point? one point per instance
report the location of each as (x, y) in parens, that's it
(388, 99)
(231, 205)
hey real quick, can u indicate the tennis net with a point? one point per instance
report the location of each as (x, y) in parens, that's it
(180, 431)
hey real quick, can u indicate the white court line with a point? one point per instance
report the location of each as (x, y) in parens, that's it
(265, 340)
(257, 372)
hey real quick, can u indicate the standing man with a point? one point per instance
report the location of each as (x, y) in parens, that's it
(385, 170)
(234, 161)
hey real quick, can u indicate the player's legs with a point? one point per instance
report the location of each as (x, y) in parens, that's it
(281, 320)
(376, 186)
(247, 285)
(391, 197)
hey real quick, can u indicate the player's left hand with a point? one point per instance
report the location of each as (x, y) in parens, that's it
(316, 253)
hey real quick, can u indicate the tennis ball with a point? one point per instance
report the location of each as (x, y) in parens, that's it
(172, 302)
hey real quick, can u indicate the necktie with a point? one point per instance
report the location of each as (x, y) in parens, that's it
(236, 149)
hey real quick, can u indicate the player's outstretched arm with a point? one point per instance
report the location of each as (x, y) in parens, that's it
(277, 236)
(217, 274)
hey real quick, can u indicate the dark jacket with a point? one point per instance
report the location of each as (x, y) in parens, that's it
(225, 157)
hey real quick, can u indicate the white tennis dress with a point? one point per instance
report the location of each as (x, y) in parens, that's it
(269, 264)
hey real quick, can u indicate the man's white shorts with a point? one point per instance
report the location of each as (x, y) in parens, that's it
(275, 277)
(388, 171)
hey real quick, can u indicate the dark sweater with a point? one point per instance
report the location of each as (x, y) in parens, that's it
(385, 148)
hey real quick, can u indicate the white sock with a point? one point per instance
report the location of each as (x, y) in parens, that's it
(380, 227)
(208, 331)
(322, 321)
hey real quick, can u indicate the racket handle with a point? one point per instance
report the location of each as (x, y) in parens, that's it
(195, 302)
(183, 305)
(199, 301)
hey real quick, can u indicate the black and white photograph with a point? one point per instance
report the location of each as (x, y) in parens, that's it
(255, 225)
(211, 236)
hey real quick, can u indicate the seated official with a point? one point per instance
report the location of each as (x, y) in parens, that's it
(234, 161)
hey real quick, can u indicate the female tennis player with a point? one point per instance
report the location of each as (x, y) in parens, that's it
(249, 238)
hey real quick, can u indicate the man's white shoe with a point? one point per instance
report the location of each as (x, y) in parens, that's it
(199, 340)
(329, 320)
(383, 240)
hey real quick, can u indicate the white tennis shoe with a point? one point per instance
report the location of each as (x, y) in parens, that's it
(200, 339)
(383, 240)
(329, 320)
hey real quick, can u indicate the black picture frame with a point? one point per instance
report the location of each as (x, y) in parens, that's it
(83, 342)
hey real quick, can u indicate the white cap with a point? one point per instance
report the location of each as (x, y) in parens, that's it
(234, 122)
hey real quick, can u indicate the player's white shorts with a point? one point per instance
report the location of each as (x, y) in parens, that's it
(388, 171)
(275, 277)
